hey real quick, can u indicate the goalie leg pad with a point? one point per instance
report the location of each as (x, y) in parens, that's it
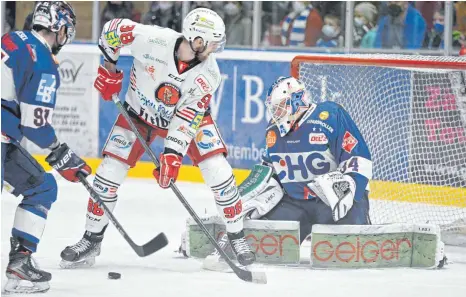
(110, 174)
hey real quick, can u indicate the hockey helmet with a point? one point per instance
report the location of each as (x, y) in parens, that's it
(207, 24)
(286, 99)
(53, 15)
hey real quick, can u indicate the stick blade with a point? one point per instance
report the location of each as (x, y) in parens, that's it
(157, 243)
(259, 277)
(251, 276)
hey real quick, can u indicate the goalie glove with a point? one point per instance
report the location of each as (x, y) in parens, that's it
(336, 190)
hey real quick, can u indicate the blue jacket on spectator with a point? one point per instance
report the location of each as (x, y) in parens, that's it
(414, 30)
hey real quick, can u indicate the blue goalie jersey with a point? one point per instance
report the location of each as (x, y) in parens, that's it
(29, 83)
(324, 140)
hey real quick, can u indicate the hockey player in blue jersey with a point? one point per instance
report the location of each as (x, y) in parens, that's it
(320, 163)
(29, 83)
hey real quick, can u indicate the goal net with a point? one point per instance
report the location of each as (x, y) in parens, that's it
(412, 112)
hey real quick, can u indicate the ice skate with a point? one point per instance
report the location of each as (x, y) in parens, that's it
(83, 253)
(23, 274)
(214, 261)
(241, 248)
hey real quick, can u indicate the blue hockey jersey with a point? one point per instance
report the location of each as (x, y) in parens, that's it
(29, 83)
(325, 139)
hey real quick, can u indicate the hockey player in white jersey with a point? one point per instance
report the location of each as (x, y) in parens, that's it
(171, 83)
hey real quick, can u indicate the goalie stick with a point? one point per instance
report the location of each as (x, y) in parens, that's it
(157, 243)
(245, 275)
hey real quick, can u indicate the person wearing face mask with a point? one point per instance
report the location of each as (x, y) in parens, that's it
(434, 38)
(238, 25)
(331, 32)
(164, 14)
(302, 26)
(365, 15)
(403, 27)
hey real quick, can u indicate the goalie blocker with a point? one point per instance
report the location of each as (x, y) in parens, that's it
(332, 246)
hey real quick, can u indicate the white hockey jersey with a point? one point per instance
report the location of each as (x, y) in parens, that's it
(164, 92)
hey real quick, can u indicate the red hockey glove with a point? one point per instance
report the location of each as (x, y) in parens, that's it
(108, 83)
(169, 167)
(67, 163)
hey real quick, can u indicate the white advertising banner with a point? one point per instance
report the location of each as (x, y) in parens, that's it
(76, 115)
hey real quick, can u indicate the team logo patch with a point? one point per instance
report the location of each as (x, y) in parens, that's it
(168, 94)
(317, 138)
(323, 115)
(349, 142)
(271, 138)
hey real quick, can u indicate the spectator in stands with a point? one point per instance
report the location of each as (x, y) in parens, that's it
(403, 27)
(237, 24)
(165, 14)
(302, 26)
(365, 17)
(331, 32)
(434, 38)
(119, 9)
(273, 13)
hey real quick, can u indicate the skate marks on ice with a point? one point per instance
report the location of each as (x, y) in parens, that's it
(146, 209)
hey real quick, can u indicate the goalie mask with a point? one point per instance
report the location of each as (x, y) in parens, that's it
(286, 99)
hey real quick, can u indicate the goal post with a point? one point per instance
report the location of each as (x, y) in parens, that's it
(412, 112)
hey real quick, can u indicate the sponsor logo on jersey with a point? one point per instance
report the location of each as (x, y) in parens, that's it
(46, 90)
(196, 121)
(152, 58)
(317, 138)
(181, 143)
(322, 124)
(203, 84)
(271, 138)
(112, 39)
(168, 94)
(120, 142)
(213, 73)
(186, 131)
(21, 35)
(69, 71)
(150, 70)
(323, 115)
(303, 166)
(205, 139)
(158, 41)
(349, 142)
(178, 79)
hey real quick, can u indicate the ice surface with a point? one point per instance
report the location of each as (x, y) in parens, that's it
(145, 210)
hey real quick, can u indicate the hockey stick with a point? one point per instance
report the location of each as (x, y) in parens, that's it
(249, 276)
(157, 243)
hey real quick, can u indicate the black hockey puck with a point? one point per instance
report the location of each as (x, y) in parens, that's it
(114, 275)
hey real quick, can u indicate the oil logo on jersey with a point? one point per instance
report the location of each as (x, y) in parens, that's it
(300, 167)
(207, 141)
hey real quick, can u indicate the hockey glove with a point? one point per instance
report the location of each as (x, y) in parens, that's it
(336, 190)
(170, 164)
(108, 83)
(67, 163)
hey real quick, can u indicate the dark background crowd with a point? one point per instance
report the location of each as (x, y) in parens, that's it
(385, 24)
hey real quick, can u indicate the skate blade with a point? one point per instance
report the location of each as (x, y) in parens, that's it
(21, 286)
(81, 264)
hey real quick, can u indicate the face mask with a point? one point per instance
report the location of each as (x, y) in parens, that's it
(165, 5)
(329, 31)
(394, 10)
(439, 27)
(359, 22)
(298, 6)
(231, 9)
